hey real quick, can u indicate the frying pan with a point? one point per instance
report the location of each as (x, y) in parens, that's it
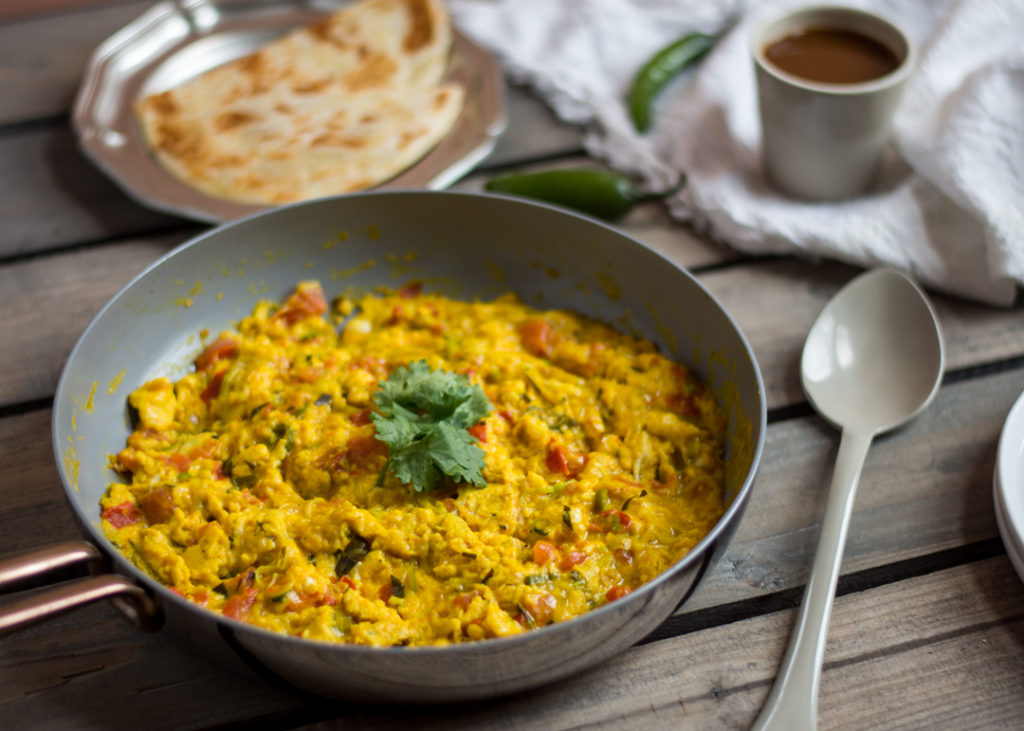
(465, 246)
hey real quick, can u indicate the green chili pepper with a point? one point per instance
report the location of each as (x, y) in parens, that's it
(599, 193)
(663, 66)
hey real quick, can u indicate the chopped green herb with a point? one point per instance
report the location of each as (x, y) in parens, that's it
(397, 589)
(534, 579)
(283, 431)
(242, 481)
(626, 504)
(567, 517)
(530, 621)
(352, 554)
(422, 415)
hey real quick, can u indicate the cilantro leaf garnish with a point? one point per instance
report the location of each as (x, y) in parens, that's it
(422, 415)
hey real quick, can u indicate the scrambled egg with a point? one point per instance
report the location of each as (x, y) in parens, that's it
(254, 486)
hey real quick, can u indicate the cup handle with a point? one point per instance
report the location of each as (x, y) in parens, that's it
(133, 601)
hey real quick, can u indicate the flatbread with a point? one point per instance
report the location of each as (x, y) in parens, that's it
(336, 107)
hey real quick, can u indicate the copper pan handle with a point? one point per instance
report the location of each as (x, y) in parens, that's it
(138, 606)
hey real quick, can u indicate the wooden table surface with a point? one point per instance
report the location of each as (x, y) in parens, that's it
(928, 627)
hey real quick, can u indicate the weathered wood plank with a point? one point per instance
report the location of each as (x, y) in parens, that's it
(41, 327)
(91, 669)
(20, 9)
(924, 488)
(44, 57)
(776, 302)
(51, 196)
(916, 654)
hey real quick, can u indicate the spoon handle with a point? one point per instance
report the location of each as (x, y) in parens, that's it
(793, 701)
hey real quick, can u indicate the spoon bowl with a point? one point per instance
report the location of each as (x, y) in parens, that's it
(872, 361)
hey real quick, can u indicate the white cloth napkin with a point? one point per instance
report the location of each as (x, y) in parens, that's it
(949, 207)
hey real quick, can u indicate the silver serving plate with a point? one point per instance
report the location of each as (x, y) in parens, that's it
(177, 40)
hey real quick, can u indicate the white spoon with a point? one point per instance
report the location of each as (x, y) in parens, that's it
(873, 360)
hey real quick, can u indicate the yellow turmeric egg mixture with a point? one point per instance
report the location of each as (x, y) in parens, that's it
(259, 485)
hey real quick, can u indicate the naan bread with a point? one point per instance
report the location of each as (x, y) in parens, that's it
(339, 106)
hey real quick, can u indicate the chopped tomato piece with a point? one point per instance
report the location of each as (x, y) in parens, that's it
(348, 582)
(360, 446)
(556, 460)
(157, 504)
(412, 289)
(507, 416)
(307, 300)
(121, 515)
(617, 592)
(572, 559)
(178, 461)
(620, 520)
(128, 460)
(538, 337)
(360, 418)
(213, 389)
(683, 404)
(541, 608)
(220, 348)
(373, 365)
(238, 606)
(385, 592)
(463, 600)
(543, 551)
(479, 431)
(397, 314)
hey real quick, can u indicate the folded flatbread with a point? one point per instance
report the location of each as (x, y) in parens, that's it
(339, 106)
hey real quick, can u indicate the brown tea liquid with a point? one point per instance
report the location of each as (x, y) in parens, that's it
(832, 56)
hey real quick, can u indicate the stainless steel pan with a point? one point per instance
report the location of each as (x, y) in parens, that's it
(465, 246)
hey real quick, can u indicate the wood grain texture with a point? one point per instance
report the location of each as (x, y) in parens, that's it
(888, 652)
(51, 196)
(925, 488)
(20, 9)
(41, 323)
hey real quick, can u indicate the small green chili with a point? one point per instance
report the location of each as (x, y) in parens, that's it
(662, 67)
(600, 193)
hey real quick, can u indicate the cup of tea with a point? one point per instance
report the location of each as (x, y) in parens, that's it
(828, 79)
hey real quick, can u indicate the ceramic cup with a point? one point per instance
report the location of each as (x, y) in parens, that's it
(823, 141)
